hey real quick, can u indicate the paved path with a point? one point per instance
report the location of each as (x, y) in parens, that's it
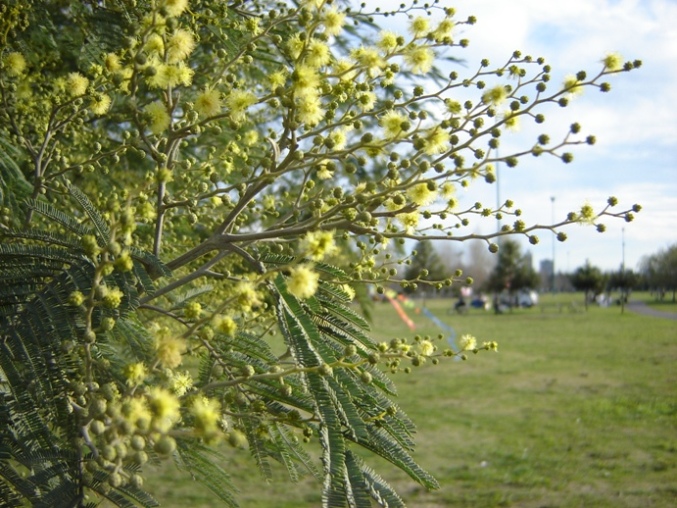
(643, 308)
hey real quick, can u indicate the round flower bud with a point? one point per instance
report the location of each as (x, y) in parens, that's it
(237, 439)
(138, 442)
(349, 350)
(115, 480)
(97, 427)
(76, 298)
(325, 370)
(165, 445)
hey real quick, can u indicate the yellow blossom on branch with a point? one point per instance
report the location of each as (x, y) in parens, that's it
(333, 21)
(77, 84)
(303, 281)
(421, 194)
(175, 7)
(158, 116)
(467, 342)
(15, 64)
(208, 103)
(180, 45)
(420, 59)
(169, 351)
(318, 244)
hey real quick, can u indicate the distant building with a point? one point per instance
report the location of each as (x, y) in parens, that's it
(546, 272)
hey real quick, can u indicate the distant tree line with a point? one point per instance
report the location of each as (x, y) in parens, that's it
(511, 270)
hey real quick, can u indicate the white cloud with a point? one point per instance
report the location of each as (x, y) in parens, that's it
(635, 157)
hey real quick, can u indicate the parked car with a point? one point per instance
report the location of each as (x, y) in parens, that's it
(527, 298)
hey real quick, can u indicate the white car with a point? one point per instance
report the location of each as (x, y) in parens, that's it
(527, 298)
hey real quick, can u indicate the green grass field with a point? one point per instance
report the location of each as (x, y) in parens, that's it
(576, 409)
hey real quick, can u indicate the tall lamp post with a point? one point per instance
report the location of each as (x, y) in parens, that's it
(552, 276)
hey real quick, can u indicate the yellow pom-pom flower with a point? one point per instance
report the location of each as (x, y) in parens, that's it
(180, 382)
(306, 80)
(238, 101)
(409, 220)
(180, 45)
(419, 27)
(573, 85)
(333, 21)
(100, 104)
(77, 84)
(175, 7)
(154, 44)
(318, 244)
(158, 116)
(420, 59)
(208, 103)
(169, 351)
(246, 296)
(495, 95)
(387, 41)
(437, 141)
(613, 62)
(206, 413)
(467, 342)
(370, 59)
(392, 123)
(303, 281)
(164, 406)
(309, 109)
(421, 194)
(225, 325)
(135, 373)
(426, 348)
(317, 54)
(15, 64)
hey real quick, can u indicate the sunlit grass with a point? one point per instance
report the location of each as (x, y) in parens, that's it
(576, 409)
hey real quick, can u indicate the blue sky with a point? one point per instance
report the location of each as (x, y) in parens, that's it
(635, 158)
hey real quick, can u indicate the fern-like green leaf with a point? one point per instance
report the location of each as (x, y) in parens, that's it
(359, 490)
(379, 489)
(383, 445)
(54, 215)
(103, 232)
(203, 463)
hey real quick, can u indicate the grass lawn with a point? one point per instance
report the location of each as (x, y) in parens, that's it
(576, 409)
(664, 305)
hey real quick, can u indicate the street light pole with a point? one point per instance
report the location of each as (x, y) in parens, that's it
(552, 282)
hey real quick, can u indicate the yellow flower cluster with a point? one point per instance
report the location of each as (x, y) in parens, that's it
(135, 373)
(303, 281)
(225, 325)
(426, 348)
(164, 407)
(238, 101)
(208, 103)
(77, 84)
(169, 350)
(175, 7)
(394, 124)
(15, 64)
(467, 342)
(206, 413)
(421, 194)
(420, 59)
(158, 116)
(333, 21)
(318, 244)
(495, 95)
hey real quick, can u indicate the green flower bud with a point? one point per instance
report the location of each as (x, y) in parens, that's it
(164, 446)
